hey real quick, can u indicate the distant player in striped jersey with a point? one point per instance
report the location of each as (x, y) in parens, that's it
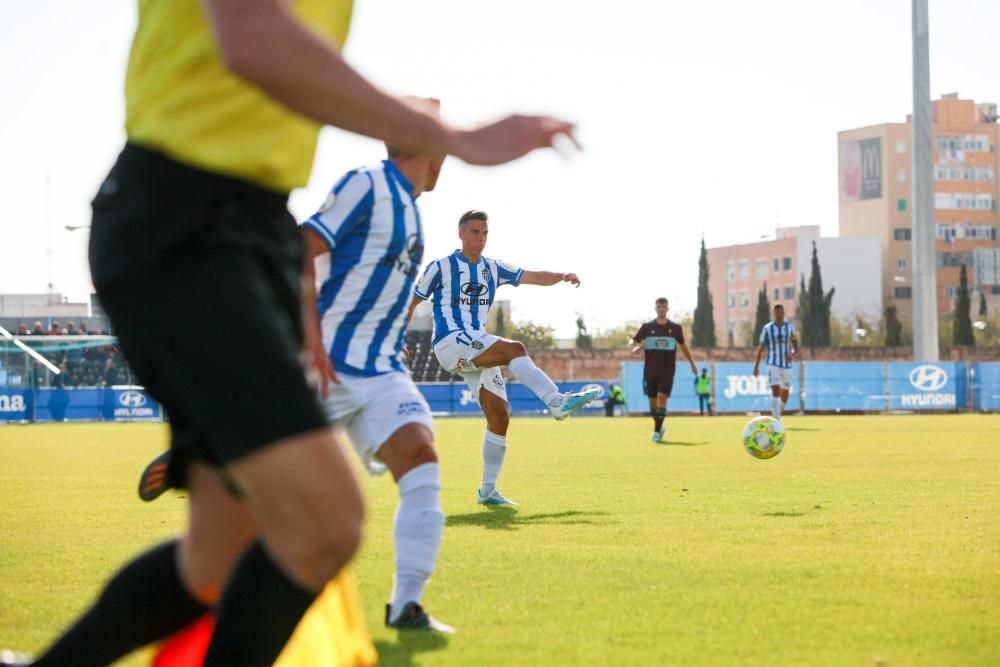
(780, 341)
(461, 288)
(362, 251)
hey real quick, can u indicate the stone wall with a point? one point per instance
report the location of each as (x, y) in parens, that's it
(570, 365)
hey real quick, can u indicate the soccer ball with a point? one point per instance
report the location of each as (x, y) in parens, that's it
(763, 437)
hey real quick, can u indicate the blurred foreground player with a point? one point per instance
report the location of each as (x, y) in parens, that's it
(191, 232)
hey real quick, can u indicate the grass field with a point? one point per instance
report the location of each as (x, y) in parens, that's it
(868, 541)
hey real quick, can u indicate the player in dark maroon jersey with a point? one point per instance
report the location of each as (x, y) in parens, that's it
(660, 339)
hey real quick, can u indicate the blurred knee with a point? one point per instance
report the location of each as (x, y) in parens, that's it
(315, 553)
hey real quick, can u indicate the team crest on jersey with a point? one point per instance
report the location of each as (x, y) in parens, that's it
(476, 345)
(486, 274)
(328, 202)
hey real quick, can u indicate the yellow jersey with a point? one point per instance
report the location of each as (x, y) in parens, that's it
(181, 100)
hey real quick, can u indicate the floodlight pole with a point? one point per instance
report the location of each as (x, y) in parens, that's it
(925, 317)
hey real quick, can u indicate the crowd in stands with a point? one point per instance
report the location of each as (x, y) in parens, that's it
(55, 330)
(100, 366)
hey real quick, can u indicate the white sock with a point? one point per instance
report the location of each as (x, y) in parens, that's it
(784, 404)
(531, 376)
(776, 407)
(494, 448)
(416, 533)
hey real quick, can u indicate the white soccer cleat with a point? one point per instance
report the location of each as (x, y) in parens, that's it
(571, 402)
(655, 437)
(494, 497)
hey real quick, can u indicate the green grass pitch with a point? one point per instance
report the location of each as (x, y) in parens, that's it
(869, 541)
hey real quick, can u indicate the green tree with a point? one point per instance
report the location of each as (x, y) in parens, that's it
(982, 304)
(584, 341)
(802, 313)
(703, 330)
(763, 313)
(615, 339)
(816, 332)
(536, 336)
(892, 326)
(962, 334)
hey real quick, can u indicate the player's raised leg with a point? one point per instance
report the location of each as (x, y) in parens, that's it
(409, 454)
(513, 354)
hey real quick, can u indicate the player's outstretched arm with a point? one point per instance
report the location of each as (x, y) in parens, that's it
(547, 278)
(314, 246)
(307, 74)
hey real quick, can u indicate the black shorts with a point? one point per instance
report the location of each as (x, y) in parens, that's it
(660, 382)
(199, 274)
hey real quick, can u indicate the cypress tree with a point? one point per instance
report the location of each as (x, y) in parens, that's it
(763, 312)
(963, 322)
(703, 334)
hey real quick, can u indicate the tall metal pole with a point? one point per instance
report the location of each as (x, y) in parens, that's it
(925, 317)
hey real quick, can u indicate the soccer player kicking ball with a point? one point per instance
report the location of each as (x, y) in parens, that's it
(660, 339)
(780, 340)
(461, 288)
(362, 252)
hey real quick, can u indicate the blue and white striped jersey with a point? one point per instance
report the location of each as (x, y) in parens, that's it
(461, 293)
(778, 340)
(371, 224)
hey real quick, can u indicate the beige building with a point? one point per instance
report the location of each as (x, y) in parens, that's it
(736, 273)
(876, 195)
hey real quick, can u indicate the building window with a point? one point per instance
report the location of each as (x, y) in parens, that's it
(786, 264)
(744, 299)
(901, 234)
(951, 291)
(901, 293)
(953, 260)
(900, 145)
(731, 300)
(762, 268)
(900, 204)
(789, 292)
(901, 175)
(777, 294)
(744, 269)
(902, 263)
(730, 272)
(777, 264)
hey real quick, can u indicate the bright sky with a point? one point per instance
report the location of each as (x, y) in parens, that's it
(713, 118)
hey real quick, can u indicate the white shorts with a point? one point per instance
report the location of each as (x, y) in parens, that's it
(779, 377)
(456, 351)
(490, 379)
(371, 409)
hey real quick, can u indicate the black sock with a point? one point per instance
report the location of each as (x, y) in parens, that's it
(659, 414)
(144, 602)
(259, 610)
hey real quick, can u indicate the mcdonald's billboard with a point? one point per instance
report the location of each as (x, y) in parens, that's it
(861, 169)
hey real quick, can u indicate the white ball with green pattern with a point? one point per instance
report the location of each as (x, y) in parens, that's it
(763, 437)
